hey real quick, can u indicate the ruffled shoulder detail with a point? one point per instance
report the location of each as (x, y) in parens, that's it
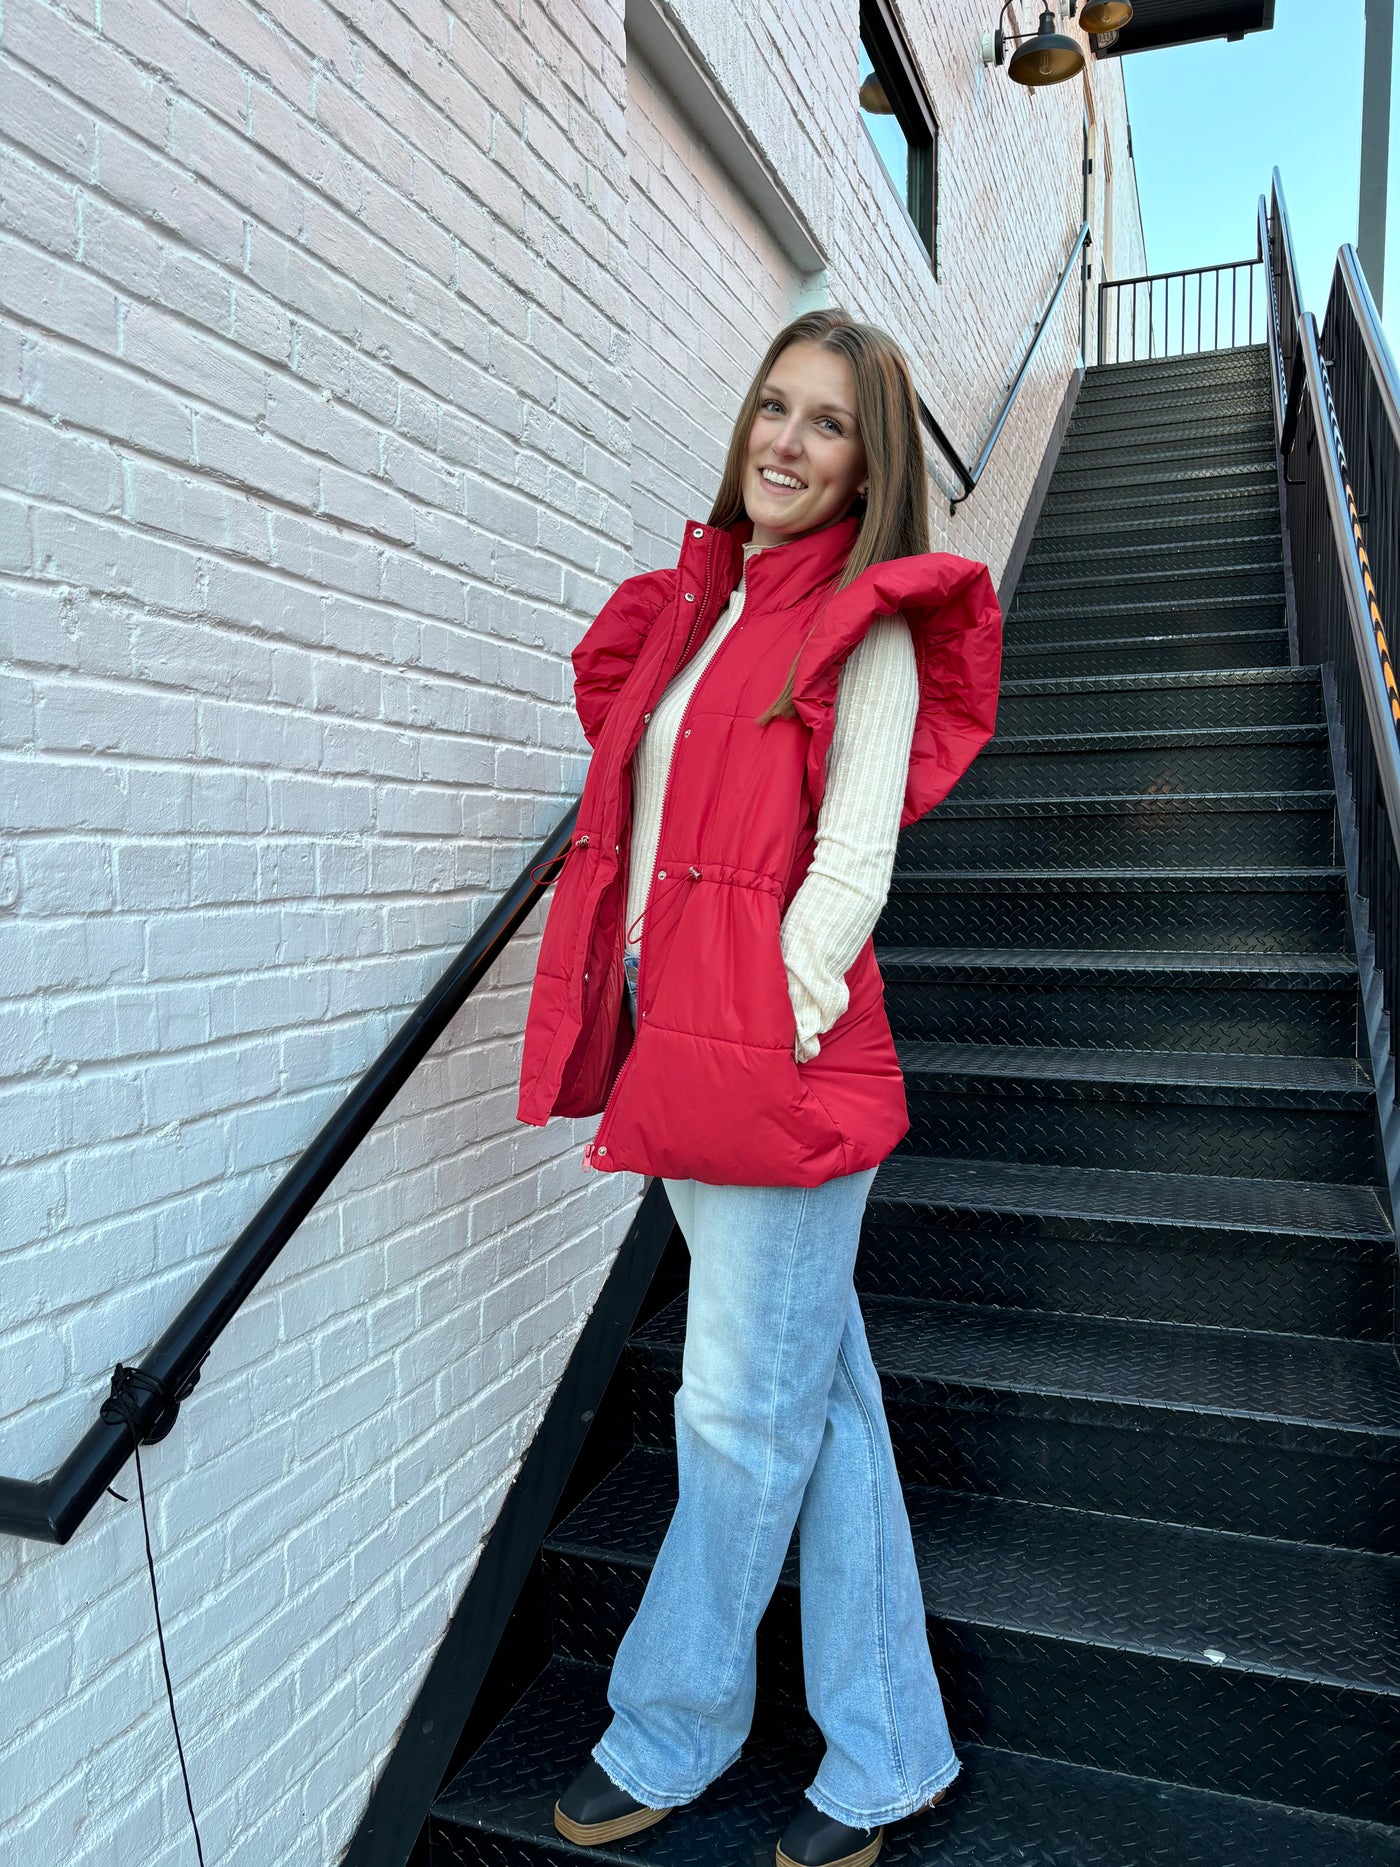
(613, 640)
(955, 620)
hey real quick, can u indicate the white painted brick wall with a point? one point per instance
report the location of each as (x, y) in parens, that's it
(340, 380)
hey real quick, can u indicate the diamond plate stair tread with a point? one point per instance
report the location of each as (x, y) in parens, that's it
(1247, 547)
(1162, 1589)
(1183, 677)
(1135, 804)
(1094, 644)
(1313, 1381)
(1093, 532)
(1299, 1208)
(1129, 881)
(1101, 511)
(1151, 480)
(1236, 420)
(1245, 511)
(1232, 363)
(1007, 1810)
(1167, 970)
(1148, 739)
(1204, 1074)
(1204, 436)
(1201, 446)
(1111, 577)
(1234, 366)
(1227, 604)
(1240, 479)
(1245, 399)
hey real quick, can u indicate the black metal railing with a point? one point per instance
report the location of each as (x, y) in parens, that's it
(51, 1509)
(1172, 314)
(970, 475)
(1338, 423)
(1366, 400)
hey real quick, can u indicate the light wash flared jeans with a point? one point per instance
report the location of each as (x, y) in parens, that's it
(780, 1421)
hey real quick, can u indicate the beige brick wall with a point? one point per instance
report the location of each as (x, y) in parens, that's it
(348, 358)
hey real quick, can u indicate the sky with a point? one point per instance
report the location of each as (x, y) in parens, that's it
(1211, 122)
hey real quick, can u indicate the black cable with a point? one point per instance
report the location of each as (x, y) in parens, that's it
(123, 1404)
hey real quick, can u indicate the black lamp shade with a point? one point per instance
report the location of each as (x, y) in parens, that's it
(1048, 58)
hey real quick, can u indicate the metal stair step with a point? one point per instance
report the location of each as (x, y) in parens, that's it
(1191, 1112)
(1148, 394)
(1240, 519)
(1175, 374)
(1247, 403)
(1270, 909)
(1221, 1079)
(1114, 513)
(1044, 1619)
(1291, 1257)
(1295, 1437)
(1224, 567)
(1201, 699)
(1233, 495)
(1248, 829)
(1150, 654)
(1094, 559)
(1225, 444)
(1168, 737)
(1166, 1590)
(1211, 758)
(1242, 1003)
(1147, 487)
(1209, 439)
(1291, 1208)
(1005, 1807)
(1170, 605)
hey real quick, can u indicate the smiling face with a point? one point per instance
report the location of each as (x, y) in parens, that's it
(805, 460)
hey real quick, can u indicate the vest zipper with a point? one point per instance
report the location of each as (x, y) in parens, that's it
(593, 1146)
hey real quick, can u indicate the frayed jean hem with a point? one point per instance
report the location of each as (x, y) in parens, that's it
(640, 1792)
(892, 1812)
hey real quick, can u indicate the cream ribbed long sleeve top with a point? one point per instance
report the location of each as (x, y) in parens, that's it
(838, 901)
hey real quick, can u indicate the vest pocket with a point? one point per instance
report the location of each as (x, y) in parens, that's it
(712, 1091)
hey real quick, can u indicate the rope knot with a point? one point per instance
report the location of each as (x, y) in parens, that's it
(126, 1404)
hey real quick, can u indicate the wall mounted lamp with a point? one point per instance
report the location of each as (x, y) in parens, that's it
(1042, 57)
(1049, 57)
(1105, 15)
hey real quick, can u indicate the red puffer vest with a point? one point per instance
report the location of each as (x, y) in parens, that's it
(709, 1088)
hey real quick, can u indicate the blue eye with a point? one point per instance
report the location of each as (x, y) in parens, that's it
(773, 402)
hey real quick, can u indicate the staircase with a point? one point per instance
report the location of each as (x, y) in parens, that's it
(1130, 1278)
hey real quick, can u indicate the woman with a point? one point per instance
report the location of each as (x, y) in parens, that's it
(765, 716)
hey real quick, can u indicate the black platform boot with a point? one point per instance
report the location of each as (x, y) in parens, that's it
(816, 1840)
(593, 1809)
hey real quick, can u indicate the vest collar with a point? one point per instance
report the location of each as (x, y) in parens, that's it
(778, 575)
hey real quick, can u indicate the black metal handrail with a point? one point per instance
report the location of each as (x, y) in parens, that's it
(971, 475)
(1366, 398)
(1327, 413)
(1246, 323)
(51, 1509)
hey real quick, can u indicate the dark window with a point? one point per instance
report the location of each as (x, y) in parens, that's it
(898, 115)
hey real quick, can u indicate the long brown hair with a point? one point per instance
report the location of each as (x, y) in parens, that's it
(894, 514)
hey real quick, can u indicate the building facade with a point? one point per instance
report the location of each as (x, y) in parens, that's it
(349, 357)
